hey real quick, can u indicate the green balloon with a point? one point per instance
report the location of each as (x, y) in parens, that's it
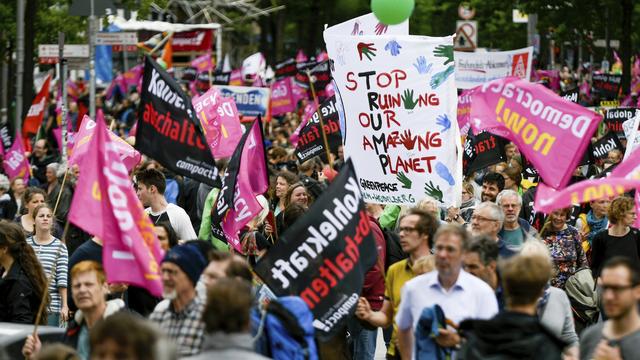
(392, 12)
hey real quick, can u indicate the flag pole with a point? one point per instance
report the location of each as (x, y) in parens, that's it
(161, 43)
(64, 179)
(324, 134)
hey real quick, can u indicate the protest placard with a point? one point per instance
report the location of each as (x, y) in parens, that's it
(399, 100)
(551, 132)
(477, 68)
(325, 254)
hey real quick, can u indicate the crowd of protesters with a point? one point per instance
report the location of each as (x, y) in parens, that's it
(491, 278)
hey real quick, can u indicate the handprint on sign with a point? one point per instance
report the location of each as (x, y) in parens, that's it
(393, 47)
(407, 100)
(445, 51)
(422, 66)
(444, 173)
(381, 28)
(433, 191)
(443, 120)
(367, 50)
(356, 29)
(406, 182)
(408, 140)
(440, 77)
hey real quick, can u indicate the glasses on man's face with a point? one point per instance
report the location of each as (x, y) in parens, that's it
(481, 218)
(406, 229)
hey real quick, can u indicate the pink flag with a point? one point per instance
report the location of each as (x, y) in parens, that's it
(630, 169)
(299, 92)
(57, 133)
(105, 205)
(129, 156)
(203, 63)
(220, 121)
(133, 77)
(464, 110)
(550, 131)
(15, 162)
(301, 56)
(322, 56)
(235, 78)
(251, 180)
(552, 77)
(282, 100)
(309, 110)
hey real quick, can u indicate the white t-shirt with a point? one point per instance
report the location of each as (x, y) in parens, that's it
(180, 221)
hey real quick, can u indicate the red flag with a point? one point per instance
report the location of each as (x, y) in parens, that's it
(36, 112)
(105, 205)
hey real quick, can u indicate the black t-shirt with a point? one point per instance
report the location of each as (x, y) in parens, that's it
(606, 246)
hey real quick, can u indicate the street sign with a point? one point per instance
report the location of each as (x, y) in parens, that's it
(116, 38)
(466, 35)
(465, 11)
(48, 53)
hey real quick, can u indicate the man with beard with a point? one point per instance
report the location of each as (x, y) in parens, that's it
(492, 184)
(179, 315)
(619, 336)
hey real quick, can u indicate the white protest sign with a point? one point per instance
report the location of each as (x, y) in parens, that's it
(399, 100)
(477, 68)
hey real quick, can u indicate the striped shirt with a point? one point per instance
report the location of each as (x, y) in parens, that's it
(48, 255)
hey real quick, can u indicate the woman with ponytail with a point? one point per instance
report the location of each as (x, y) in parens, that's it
(22, 279)
(53, 256)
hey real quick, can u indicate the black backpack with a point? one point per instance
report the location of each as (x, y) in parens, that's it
(394, 251)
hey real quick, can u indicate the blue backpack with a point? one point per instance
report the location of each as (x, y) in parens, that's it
(283, 330)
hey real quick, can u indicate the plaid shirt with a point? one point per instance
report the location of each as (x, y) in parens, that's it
(185, 328)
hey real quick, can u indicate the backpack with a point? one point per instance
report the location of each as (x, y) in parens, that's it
(584, 299)
(283, 330)
(393, 249)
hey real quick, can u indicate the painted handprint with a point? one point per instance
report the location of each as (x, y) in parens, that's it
(441, 77)
(367, 50)
(381, 28)
(443, 172)
(445, 51)
(341, 53)
(393, 47)
(408, 140)
(422, 66)
(406, 182)
(356, 29)
(433, 191)
(443, 120)
(407, 100)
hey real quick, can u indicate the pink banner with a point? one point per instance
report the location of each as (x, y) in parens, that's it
(552, 77)
(133, 77)
(129, 156)
(220, 120)
(235, 79)
(251, 181)
(282, 100)
(203, 63)
(57, 133)
(551, 132)
(105, 205)
(309, 110)
(464, 111)
(15, 162)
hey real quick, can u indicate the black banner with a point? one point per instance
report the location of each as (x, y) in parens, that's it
(614, 118)
(572, 95)
(606, 86)
(286, 68)
(168, 130)
(482, 150)
(301, 77)
(324, 256)
(321, 78)
(189, 74)
(221, 78)
(600, 149)
(310, 141)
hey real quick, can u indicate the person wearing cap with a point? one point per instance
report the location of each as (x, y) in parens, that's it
(179, 315)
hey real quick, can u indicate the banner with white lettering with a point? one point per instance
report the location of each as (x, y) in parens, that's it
(600, 149)
(310, 141)
(572, 95)
(325, 254)
(482, 150)
(614, 118)
(168, 130)
(477, 68)
(606, 86)
(399, 99)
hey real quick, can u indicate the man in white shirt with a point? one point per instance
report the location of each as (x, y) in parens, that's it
(150, 186)
(459, 294)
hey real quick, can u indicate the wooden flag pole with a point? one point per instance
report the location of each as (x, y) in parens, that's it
(324, 135)
(64, 180)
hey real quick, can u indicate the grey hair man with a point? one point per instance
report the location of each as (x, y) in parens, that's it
(515, 231)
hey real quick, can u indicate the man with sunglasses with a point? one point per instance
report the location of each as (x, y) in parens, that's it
(619, 336)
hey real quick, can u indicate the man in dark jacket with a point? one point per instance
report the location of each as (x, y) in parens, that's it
(517, 332)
